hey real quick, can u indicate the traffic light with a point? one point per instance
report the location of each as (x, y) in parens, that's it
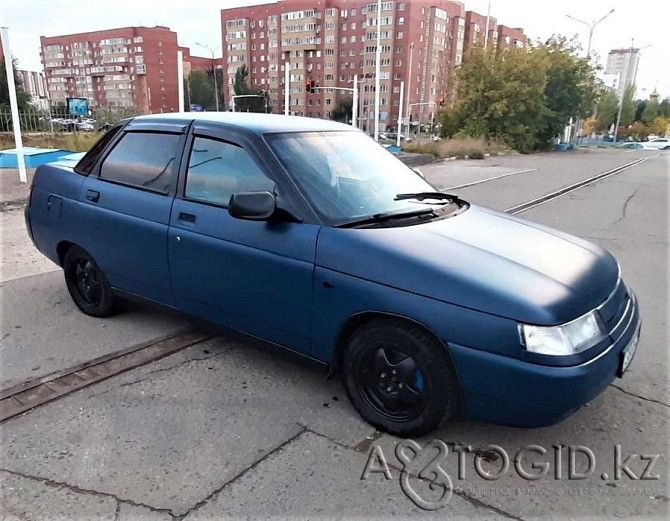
(311, 86)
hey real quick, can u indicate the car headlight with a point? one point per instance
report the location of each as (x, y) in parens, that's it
(566, 339)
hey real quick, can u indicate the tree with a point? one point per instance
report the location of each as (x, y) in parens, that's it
(628, 108)
(524, 97)
(200, 90)
(640, 106)
(664, 108)
(660, 126)
(241, 88)
(650, 112)
(570, 89)
(343, 110)
(22, 96)
(607, 110)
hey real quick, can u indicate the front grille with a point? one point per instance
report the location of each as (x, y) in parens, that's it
(613, 309)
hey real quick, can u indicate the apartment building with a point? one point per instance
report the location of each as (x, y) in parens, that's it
(126, 68)
(623, 64)
(199, 63)
(35, 85)
(510, 37)
(329, 42)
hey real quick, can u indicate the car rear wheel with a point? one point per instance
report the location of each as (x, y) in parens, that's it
(87, 284)
(399, 377)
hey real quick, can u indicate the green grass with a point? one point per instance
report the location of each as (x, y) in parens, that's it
(74, 141)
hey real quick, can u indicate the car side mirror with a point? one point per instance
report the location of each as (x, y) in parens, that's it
(252, 206)
(419, 173)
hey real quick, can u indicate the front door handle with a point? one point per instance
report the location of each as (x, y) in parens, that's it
(93, 196)
(186, 218)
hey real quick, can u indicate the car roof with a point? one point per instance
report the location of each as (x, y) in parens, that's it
(257, 123)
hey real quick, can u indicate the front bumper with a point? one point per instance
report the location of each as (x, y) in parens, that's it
(513, 392)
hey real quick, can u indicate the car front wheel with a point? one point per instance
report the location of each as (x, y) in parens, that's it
(87, 284)
(399, 377)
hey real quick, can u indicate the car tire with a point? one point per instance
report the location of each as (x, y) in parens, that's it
(87, 284)
(399, 377)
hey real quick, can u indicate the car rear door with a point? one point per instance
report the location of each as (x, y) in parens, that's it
(252, 276)
(126, 205)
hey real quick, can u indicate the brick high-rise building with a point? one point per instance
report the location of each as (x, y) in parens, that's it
(131, 67)
(331, 41)
(510, 37)
(475, 30)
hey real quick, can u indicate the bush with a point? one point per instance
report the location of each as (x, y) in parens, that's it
(74, 141)
(474, 148)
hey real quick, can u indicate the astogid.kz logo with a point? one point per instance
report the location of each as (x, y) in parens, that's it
(426, 482)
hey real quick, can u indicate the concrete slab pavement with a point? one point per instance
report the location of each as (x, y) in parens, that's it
(43, 332)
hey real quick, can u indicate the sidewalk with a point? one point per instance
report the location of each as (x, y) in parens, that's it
(11, 189)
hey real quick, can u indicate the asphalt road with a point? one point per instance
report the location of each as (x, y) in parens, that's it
(232, 427)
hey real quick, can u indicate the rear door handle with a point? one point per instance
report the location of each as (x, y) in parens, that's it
(93, 196)
(186, 218)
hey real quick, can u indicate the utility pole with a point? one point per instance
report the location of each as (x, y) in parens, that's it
(409, 85)
(354, 104)
(399, 131)
(623, 91)
(287, 86)
(378, 58)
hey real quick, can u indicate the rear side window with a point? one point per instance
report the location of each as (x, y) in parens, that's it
(217, 170)
(85, 166)
(142, 159)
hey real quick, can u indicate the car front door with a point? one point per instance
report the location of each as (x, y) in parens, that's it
(252, 276)
(125, 205)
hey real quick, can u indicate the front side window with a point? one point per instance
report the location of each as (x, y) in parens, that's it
(346, 175)
(142, 159)
(217, 170)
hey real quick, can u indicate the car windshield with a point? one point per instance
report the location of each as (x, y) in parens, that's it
(347, 176)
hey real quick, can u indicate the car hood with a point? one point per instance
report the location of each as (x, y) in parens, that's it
(480, 259)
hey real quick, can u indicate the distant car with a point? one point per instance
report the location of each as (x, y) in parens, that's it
(85, 127)
(659, 143)
(310, 235)
(637, 145)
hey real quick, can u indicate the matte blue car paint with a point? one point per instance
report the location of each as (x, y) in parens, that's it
(257, 276)
(479, 260)
(467, 279)
(513, 392)
(126, 233)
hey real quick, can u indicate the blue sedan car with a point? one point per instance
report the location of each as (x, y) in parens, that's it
(308, 234)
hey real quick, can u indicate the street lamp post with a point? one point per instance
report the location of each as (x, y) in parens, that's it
(216, 88)
(591, 27)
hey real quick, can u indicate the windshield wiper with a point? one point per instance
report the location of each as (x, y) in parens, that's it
(420, 196)
(386, 216)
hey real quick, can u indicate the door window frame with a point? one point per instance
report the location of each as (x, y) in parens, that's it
(187, 159)
(145, 129)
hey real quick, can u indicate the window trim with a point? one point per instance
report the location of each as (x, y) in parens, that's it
(95, 154)
(187, 159)
(175, 164)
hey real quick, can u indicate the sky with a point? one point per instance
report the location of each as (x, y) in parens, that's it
(199, 21)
